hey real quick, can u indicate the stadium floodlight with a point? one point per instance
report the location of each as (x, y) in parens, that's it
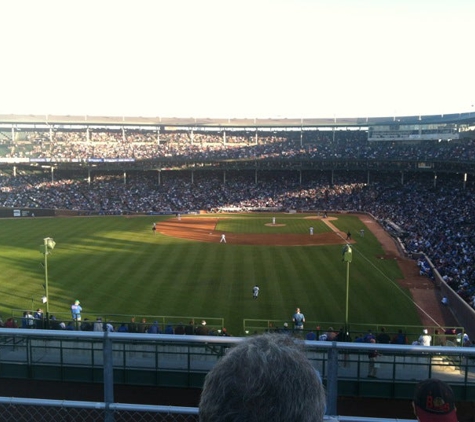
(46, 249)
(347, 257)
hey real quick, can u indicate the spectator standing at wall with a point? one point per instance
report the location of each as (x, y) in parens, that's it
(369, 336)
(27, 321)
(86, 325)
(190, 328)
(11, 323)
(39, 318)
(202, 329)
(98, 326)
(154, 328)
(425, 338)
(143, 327)
(399, 338)
(383, 337)
(132, 328)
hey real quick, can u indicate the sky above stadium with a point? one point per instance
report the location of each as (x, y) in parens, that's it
(246, 58)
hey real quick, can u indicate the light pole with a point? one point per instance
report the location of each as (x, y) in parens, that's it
(46, 248)
(347, 257)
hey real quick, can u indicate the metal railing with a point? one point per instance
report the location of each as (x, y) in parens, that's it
(451, 336)
(174, 360)
(140, 322)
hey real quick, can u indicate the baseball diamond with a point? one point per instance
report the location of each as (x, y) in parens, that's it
(422, 290)
(202, 229)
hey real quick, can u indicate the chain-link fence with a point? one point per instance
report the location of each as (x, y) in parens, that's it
(27, 410)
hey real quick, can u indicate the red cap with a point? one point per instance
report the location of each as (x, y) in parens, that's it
(434, 401)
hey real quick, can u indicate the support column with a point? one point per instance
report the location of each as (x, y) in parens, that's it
(333, 141)
(108, 378)
(332, 381)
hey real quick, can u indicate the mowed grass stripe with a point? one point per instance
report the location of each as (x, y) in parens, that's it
(290, 271)
(220, 292)
(271, 296)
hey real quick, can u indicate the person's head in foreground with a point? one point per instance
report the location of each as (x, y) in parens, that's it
(434, 401)
(264, 378)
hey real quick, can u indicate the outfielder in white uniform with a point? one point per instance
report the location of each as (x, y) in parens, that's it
(255, 291)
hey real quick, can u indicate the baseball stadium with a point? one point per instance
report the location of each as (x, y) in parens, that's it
(240, 211)
(365, 225)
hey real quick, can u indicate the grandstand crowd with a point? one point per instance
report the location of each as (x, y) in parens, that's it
(144, 145)
(435, 215)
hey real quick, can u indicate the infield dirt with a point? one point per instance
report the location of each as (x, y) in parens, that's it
(424, 292)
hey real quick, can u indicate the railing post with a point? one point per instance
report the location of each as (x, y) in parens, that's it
(332, 381)
(108, 378)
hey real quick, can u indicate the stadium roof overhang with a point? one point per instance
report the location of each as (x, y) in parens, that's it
(20, 121)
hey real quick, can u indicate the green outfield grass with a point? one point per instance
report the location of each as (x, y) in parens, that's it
(116, 265)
